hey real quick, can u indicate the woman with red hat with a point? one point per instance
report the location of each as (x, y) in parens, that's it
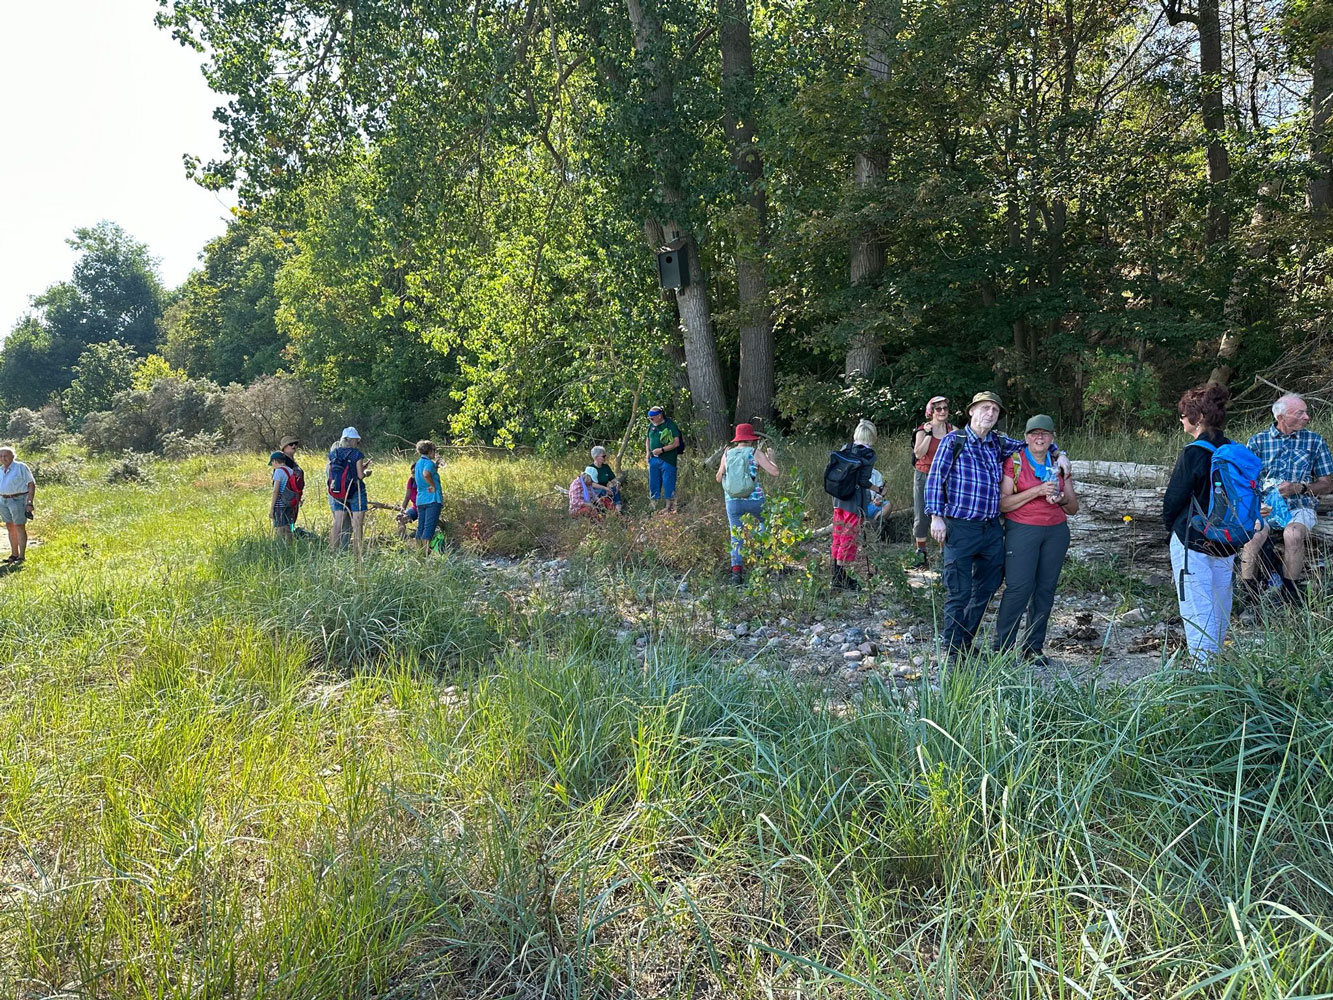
(738, 472)
(925, 442)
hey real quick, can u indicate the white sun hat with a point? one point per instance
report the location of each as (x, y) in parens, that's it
(351, 432)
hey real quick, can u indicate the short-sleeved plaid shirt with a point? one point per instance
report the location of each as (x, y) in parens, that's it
(1293, 458)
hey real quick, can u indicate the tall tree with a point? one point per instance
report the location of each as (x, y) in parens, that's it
(867, 250)
(654, 50)
(754, 391)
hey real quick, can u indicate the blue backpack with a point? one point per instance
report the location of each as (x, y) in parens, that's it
(1233, 498)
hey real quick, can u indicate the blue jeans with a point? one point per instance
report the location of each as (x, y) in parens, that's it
(355, 502)
(737, 509)
(973, 571)
(428, 515)
(661, 479)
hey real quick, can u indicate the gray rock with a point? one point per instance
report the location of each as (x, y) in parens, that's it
(837, 637)
(775, 641)
(852, 654)
(822, 668)
(1134, 616)
(918, 661)
(857, 635)
(817, 628)
(742, 629)
(868, 648)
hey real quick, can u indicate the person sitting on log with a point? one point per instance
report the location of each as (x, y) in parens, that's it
(1297, 466)
(606, 484)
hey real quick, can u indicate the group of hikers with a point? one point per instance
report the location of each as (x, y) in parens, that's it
(996, 506)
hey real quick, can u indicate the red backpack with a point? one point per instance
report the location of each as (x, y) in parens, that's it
(296, 483)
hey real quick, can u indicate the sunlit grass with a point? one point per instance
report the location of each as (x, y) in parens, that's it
(233, 770)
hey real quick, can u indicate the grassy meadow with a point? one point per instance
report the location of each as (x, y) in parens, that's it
(233, 769)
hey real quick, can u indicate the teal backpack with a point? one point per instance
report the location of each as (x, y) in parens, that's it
(738, 481)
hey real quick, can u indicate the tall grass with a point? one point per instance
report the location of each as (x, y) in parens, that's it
(232, 770)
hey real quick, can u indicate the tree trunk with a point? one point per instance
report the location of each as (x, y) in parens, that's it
(706, 392)
(754, 391)
(1320, 190)
(867, 261)
(707, 395)
(1236, 312)
(1214, 120)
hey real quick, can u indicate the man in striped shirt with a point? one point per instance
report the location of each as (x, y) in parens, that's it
(963, 500)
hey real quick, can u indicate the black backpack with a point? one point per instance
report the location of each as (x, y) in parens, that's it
(845, 474)
(911, 443)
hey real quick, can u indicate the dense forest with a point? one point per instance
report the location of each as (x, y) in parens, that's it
(450, 215)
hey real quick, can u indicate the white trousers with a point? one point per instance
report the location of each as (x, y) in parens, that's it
(1204, 593)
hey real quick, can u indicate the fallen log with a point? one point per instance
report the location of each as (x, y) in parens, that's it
(1113, 504)
(1121, 473)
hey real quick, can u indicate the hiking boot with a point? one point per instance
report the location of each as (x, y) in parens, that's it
(921, 560)
(842, 580)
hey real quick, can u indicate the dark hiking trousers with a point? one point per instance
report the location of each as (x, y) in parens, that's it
(1033, 557)
(973, 569)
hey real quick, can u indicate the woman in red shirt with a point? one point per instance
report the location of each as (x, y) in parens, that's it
(925, 442)
(1035, 501)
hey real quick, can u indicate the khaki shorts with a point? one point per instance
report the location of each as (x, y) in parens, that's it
(1299, 515)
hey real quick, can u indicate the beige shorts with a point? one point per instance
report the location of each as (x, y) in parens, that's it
(1299, 515)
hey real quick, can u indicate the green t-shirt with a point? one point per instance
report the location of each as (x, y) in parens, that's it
(604, 474)
(660, 436)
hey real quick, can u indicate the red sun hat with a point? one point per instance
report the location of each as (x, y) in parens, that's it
(745, 432)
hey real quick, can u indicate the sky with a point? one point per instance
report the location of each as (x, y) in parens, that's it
(97, 107)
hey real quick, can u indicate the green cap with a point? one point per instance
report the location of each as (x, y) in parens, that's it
(277, 455)
(985, 397)
(1040, 422)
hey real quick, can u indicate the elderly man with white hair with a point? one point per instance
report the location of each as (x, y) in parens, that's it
(1297, 462)
(17, 491)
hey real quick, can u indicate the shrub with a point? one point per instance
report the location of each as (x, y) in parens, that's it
(21, 423)
(43, 438)
(176, 446)
(140, 420)
(260, 413)
(131, 467)
(61, 472)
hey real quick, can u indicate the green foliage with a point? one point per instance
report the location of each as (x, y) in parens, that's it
(114, 294)
(1121, 391)
(223, 323)
(102, 372)
(777, 543)
(147, 420)
(152, 368)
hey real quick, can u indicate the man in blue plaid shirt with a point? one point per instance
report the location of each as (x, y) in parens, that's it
(963, 499)
(1297, 463)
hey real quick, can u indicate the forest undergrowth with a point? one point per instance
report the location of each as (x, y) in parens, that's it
(230, 769)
